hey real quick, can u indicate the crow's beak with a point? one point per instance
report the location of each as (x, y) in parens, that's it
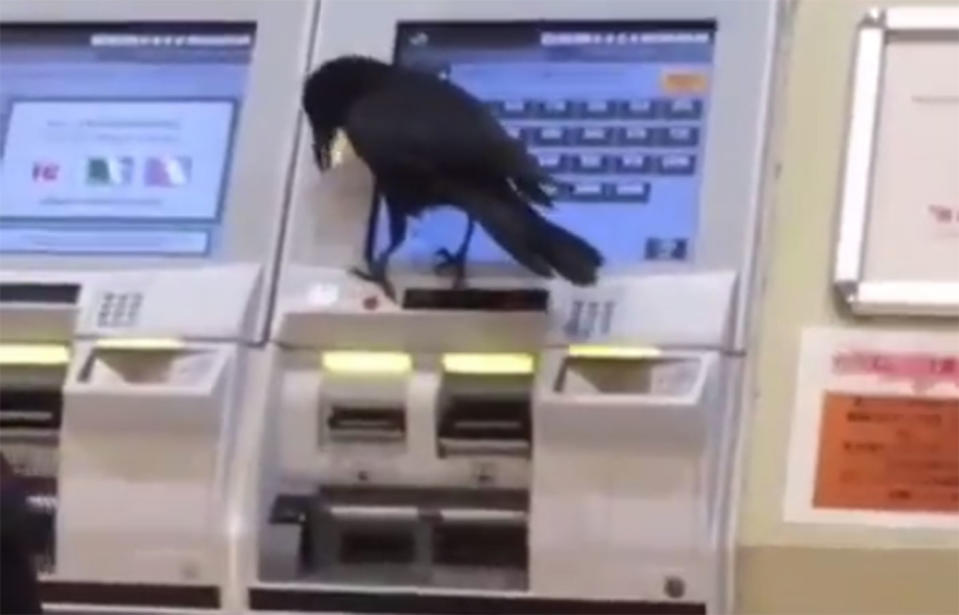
(341, 149)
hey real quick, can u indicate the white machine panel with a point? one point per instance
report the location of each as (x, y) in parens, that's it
(521, 445)
(145, 153)
(132, 140)
(667, 72)
(112, 447)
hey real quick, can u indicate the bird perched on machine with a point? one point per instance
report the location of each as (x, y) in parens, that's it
(429, 143)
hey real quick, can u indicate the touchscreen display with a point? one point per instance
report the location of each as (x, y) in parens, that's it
(117, 139)
(616, 111)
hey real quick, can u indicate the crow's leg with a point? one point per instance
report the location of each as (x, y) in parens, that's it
(377, 274)
(456, 261)
(378, 271)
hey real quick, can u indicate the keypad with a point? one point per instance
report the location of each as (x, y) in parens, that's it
(119, 309)
(590, 163)
(555, 108)
(551, 135)
(677, 164)
(608, 150)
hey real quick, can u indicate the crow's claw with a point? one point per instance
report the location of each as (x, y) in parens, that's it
(377, 276)
(453, 263)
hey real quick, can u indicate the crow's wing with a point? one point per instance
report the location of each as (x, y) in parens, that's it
(531, 239)
(421, 128)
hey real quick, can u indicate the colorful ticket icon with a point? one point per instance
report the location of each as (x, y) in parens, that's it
(167, 171)
(109, 170)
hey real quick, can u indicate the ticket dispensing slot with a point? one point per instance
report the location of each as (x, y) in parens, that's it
(485, 405)
(626, 371)
(31, 405)
(640, 418)
(662, 391)
(146, 426)
(145, 361)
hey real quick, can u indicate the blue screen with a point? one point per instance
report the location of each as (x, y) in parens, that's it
(117, 139)
(615, 111)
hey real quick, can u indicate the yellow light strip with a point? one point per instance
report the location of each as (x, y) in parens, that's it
(140, 343)
(34, 354)
(359, 362)
(614, 352)
(488, 363)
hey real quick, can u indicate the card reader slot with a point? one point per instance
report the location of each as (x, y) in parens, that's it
(347, 422)
(30, 408)
(485, 425)
(480, 418)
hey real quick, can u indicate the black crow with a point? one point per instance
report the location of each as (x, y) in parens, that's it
(429, 143)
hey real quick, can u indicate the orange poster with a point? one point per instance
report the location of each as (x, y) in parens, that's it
(888, 453)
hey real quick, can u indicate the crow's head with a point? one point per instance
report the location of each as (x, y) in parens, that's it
(329, 93)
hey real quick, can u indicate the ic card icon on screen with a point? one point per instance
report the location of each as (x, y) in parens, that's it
(109, 170)
(45, 172)
(168, 171)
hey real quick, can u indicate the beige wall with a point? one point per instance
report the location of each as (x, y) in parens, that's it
(805, 569)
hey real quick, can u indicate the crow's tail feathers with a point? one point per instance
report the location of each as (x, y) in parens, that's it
(534, 242)
(572, 257)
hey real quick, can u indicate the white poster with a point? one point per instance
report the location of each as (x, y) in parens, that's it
(913, 230)
(897, 249)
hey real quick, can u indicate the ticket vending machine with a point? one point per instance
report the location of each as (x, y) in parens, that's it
(146, 150)
(521, 446)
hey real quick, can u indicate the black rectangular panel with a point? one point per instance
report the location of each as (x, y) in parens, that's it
(130, 594)
(397, 603)
(34, 408)
(39, 293)
(512, 300)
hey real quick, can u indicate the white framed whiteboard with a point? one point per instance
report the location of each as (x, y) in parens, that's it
(897, 249)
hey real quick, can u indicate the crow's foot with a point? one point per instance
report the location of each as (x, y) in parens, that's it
(377, 275)
(452, 263)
